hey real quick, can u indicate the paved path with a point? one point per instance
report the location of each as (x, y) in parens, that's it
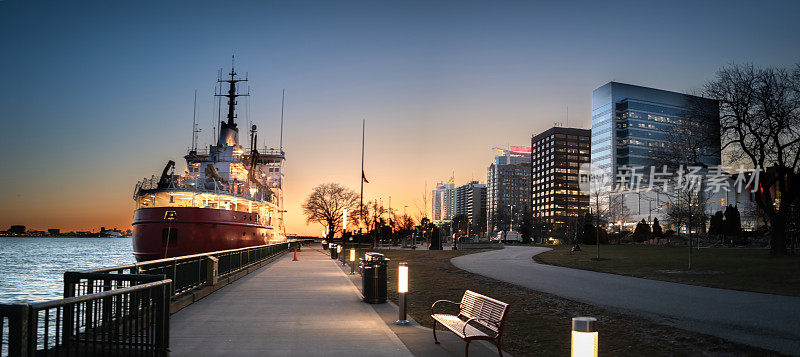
(305, 308)
(762, 320)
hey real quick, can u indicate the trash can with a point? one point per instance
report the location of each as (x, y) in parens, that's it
(373, 277)
(334, 253)
(324, 244)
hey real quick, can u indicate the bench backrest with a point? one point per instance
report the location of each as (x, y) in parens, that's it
(474, 305)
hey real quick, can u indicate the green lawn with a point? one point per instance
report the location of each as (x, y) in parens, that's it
(740, 269)
(539, 323)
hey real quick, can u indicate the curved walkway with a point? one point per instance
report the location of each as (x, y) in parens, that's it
(756, 319)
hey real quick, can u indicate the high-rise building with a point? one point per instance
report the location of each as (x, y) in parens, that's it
(557, 201)
(508, 188)
(632, 123)
(629, 122)
(470, 200)
(443, 202)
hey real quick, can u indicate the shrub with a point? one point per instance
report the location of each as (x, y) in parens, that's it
(642, 232)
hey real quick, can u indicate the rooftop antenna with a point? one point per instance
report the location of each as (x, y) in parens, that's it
(283, 99)
(567, 116)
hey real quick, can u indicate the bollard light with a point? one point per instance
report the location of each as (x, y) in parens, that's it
(584, 337)
(352, 261)
(402, 278)
(338, 249)
(402, 289)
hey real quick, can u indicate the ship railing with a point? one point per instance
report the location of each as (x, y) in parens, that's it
(180, 184)
(128, 315)
(262, 151)
(190, 272)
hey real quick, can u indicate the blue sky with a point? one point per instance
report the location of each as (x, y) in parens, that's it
(96, 95)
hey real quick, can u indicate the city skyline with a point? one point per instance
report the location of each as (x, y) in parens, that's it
(98, 96)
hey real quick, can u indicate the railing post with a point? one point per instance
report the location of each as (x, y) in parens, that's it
(212, 275)
(174, 276)
(161, 298)
(69, 284)
(70, 280)
(33, 329)
(18, 329)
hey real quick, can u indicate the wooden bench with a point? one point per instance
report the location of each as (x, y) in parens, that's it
(474, 308)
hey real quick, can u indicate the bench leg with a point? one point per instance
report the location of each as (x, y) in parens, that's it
(499, 350)
(466, 349)
(434, 333)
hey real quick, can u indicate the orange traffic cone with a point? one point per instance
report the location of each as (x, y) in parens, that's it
(295, 255)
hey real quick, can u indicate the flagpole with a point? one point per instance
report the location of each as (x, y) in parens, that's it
(361, 207)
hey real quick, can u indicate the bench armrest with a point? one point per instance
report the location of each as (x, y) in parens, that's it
(466, 323)
(447, 301)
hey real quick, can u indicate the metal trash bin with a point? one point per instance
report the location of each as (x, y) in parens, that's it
(324, 244)
(373, 277)
(334, 253)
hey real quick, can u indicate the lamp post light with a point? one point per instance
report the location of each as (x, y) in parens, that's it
(341, 256)
(584, 337)
(352, 261)
(402, 290)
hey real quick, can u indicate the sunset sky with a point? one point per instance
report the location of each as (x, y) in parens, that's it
(96, 96)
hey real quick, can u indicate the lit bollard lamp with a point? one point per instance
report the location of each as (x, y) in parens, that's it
(341, 256)
(402, 290)
(352, 261)
(584, 337)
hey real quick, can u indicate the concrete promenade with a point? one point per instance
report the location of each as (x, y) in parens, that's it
(310, 307)
(305, 308)
(761, 320)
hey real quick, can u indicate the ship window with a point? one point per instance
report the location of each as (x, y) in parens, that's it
(169, 235)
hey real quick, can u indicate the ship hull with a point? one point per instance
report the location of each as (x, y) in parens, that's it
(163, 232)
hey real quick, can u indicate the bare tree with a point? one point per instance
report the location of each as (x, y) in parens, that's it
(422, 211)
(373, 213)
(760, 120)
(326, 203)
(618, 212)
(404, 223)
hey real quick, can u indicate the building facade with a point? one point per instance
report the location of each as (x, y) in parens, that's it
(631, 125)
(443, 202)
(558, 204)
(470, 200)
(508, 188)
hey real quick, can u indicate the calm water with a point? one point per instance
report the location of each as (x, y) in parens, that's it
(32, 269)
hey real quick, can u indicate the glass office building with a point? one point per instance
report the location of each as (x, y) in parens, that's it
(630, 122)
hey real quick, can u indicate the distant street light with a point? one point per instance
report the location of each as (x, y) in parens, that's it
(344, 220)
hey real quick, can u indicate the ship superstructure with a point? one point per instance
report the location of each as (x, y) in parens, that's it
(227, 197)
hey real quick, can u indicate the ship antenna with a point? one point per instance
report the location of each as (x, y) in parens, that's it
(232, 94)
(283, 99)
(194, 123)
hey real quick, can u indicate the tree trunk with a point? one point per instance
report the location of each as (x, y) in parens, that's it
(777, 241)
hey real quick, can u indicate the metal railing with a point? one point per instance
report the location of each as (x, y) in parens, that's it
(190, 272)
(122, 310)
(130, 320)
